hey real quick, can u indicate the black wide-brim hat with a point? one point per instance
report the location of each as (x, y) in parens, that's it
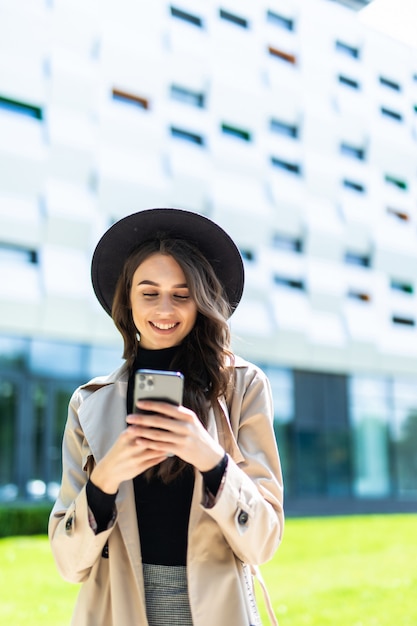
(129, 233)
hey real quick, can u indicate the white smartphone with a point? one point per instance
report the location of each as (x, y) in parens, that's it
(158, 385)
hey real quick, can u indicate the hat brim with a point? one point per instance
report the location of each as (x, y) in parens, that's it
(130, 232)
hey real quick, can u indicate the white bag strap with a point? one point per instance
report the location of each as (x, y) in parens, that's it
(257, 574)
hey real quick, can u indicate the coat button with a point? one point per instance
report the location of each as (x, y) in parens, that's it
(68, 524)
(243, 518)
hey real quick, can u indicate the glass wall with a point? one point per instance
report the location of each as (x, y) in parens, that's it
(370, 413)
(37, 379)
(338, 436)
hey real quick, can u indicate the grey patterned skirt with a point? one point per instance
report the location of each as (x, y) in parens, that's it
(166, 595)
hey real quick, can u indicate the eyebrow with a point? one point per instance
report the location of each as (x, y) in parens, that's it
(153, 284)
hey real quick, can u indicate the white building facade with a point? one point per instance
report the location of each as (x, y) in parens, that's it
(289, 123)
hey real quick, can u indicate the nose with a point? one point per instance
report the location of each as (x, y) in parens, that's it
(165, 304)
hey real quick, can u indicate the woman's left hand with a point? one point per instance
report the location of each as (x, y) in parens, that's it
(176, 430)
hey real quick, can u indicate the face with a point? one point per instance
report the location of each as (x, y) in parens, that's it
(162, 309)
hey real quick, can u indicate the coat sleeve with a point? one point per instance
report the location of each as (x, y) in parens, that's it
(75, 546)
(249, 505)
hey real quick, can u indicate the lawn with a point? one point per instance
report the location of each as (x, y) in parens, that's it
(341, 571)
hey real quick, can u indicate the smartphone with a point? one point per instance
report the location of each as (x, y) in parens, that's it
(159, 385)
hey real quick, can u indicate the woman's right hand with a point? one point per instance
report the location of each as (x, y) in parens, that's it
(127, 458)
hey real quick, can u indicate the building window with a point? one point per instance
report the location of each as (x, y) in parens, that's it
(396, 182)
(403, 320)
(247, 255)
(402, 287)
(393, 115)
(186, 17)
(353, 186)
(279, 20)
(291, 283)
(292, 168)
(287, 243)
(348, 82)
(185, 135)
(400, 215)
(18, 255)
(359, 296)
(386, 82)
(284, 128)
(130, 98)
(345, 48)
(239, 133)
(21, 108)
(283, 56)
(234, 19)
(352, 151)
(361, 260)
(187, 96)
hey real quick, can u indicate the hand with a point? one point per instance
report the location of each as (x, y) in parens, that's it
(128, 457)
(175, 430)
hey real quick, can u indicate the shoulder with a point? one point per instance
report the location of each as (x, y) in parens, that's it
(99, 382)
(246, 374)
(243, 367)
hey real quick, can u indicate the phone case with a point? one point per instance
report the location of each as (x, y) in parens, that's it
(158, 385)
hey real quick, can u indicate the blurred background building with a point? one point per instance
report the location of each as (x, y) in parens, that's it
(291, 124)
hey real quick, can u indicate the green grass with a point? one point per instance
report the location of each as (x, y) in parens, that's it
(347, 571)
(341, 571)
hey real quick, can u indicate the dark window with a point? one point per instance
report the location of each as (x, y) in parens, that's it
(283, 128)
(291, 283)
(280, 20)
(349, 82)
(354, 186)
(18, 254)
(362, 260)
(402, 287)
(235, 19)
(130, 98)
(403, 321)
(284, 242)
(359, 296)
(293, 168)
(386, 82)
(345, 48)
(188, 96)
(239, 133)
(396, 182)
(247, 255)
(401, 215)
(283, 56)
(394, 115)
(180, 133)
(322, 444)
(22, 108)
(352, 151)
(186, 17)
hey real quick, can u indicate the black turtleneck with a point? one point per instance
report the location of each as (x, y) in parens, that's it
(162, 509)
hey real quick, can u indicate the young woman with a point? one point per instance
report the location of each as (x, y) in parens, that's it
(162, 514)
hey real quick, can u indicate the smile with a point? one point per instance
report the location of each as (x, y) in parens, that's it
(164, 326)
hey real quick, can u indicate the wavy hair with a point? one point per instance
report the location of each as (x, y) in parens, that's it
(204, 353)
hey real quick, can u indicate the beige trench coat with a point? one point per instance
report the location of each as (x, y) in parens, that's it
(220, 539)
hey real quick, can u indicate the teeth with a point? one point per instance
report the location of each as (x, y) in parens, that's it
(164, 326)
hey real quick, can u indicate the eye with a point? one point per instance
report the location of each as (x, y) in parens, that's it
(181, 297)
(149, 294)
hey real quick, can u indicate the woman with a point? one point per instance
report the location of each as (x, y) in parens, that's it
(162, 513)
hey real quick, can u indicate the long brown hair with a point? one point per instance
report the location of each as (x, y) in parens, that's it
(203, 355)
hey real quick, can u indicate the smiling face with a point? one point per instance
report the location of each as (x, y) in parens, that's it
(163, 310)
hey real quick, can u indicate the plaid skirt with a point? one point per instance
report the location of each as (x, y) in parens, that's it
(166, 595)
